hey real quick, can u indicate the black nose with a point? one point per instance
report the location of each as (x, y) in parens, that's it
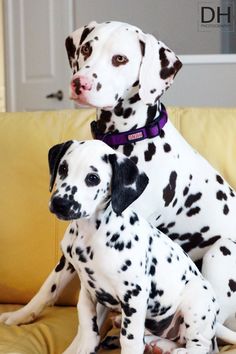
(60, 206)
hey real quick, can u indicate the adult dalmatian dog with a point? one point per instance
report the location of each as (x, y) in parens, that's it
(124, 72)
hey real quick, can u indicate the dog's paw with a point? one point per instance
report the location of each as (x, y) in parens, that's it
(17, 317)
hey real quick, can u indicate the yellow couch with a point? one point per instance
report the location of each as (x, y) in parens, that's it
(30, 235)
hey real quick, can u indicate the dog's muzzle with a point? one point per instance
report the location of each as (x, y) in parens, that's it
(64, 209)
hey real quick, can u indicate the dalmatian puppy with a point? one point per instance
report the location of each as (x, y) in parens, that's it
(123, 73)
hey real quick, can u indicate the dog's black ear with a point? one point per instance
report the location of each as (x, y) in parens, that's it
(74, 41)
(127, 184)
(158, 68)
(54, 157)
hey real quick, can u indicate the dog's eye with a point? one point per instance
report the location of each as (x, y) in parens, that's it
(92, 179)
(63, 170)
(118, 60)
(86, 50)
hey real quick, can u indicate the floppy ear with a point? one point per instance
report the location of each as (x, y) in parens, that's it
(127, 183)
(55, 155)
(158, 69)
(73, 42)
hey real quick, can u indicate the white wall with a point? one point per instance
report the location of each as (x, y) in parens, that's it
(204, 85)
(195, 84)
(175, 22)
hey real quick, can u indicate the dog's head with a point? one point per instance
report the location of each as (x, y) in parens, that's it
(109, 59)
(88, 176)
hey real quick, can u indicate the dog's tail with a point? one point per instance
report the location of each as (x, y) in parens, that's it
(226, 334)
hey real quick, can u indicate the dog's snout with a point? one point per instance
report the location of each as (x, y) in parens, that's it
(59, 205)
(81, 83)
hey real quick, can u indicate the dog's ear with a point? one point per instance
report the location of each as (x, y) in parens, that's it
(74, 40)
(127, 182)
(158, 68)
(55, 155)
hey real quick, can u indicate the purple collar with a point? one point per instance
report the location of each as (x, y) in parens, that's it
(149, 131)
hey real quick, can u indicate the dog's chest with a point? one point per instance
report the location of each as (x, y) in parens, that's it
(118, 260)
(104, 258)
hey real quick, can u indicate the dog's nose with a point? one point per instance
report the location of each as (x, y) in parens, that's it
(60, 205)
(81, 83)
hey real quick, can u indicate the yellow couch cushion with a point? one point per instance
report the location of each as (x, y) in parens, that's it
(29, 234)
(212, 132)
(53, 331)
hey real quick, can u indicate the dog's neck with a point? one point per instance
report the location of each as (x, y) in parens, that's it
(88, 225)
(130, 113)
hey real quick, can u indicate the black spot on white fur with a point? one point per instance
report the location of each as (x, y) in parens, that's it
(169, 190)
(225, 251)
(150, 152)
(232, 285)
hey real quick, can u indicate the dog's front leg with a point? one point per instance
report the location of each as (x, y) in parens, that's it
(133, 322)
(46, 296)
(101, 315)
(87, 338)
